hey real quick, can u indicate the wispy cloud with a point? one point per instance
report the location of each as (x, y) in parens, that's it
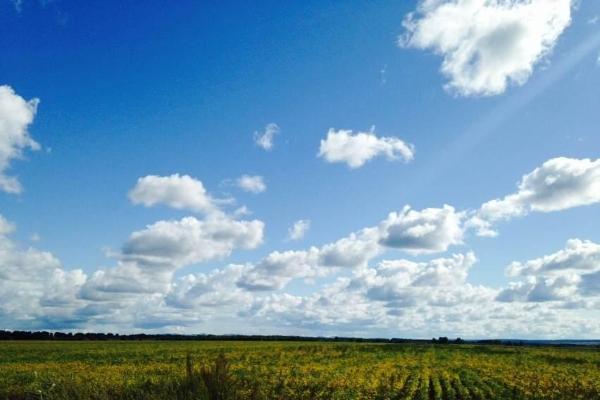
(251, 183)
(298, 229)
(265, 140)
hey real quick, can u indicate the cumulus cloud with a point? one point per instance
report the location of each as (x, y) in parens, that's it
(177, 191)
(298, 229)
(552, 295)
(416, 232)
(265, 139)
(568, 274)
(215, 289)
(356, 149)
(150, 256)
(403, 283)
(251, 183)
(16, 114)
(189, 241)
(279, 268)
(487, 44)
(394, 297)
(418, 299)
(419, 232)
(35, 289)
(559, 184)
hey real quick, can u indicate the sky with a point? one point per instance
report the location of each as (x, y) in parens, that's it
(376, 169)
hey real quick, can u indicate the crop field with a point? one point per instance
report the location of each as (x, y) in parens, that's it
(293, 370)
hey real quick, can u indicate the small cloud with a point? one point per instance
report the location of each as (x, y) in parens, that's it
(241, 212)
(251, 183)
(177, 191)
(299, 229)
(356, 149)
(593, 20)
(35, 237)
(265, 139)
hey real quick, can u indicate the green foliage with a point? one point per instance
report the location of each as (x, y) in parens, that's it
(293, 370)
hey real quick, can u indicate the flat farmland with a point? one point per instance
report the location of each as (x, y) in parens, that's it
(293, 370)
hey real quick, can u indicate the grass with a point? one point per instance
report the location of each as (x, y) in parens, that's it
(293, 370)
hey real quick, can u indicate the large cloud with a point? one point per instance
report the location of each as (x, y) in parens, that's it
(189, 241)
(403, 298)
(393, 298)
(150, 256)
(356, 149)
(278, 268)
(208, 291)
(403, 283)
(487, 44)
(559, 184)
(16, 114)
(36, 291)
(552, 295)
(426, 231)
(567, 275)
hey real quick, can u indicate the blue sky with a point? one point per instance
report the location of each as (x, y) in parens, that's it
(128, 215)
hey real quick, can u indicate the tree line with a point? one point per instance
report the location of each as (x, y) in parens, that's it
(47, 335)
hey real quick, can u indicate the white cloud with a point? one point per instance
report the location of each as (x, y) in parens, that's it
(406, 283)
(36, 291)
(16, 114)
(419, 232)
(265, 139)
(416, 232)
(393, 298)
(555, 295)
(356, 149)
(353, 251)
(398, 297)
(418, 299)
(177, 243)
(571, 274)
(299, 229)
(252, 183)
(559, 184)
(279, 268)
(176, 191)
(150, 256)
(214, 289)
(487, 44)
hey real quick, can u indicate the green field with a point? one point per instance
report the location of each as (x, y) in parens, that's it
(293, 370)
